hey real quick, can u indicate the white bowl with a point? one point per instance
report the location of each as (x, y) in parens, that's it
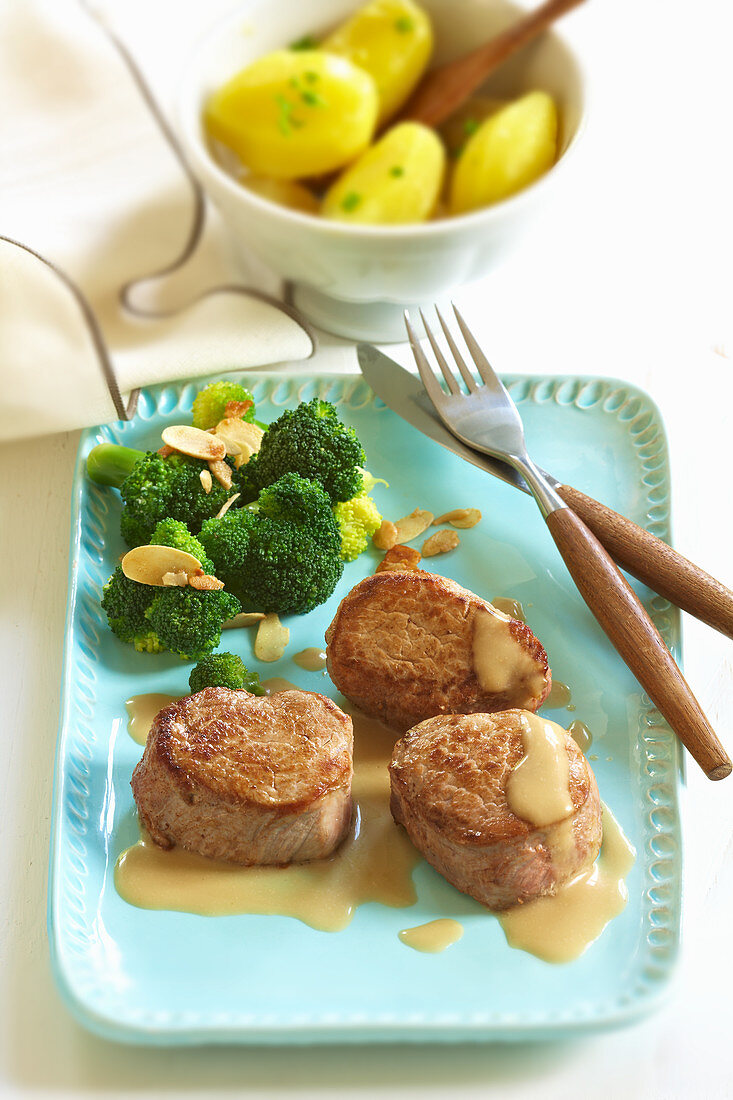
(356, 280)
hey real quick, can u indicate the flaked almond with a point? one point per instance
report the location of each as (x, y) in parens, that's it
(149, 564)
(240, 439)
(206, 482)
(409, 527)
(203, 582)
(175, 580)
(222, 472)
(385, 537)
(440, 543)
(237, 408)
(272, 638)
(243, 619)
(227, 505)
(400, 559)
(460, 517)
(194, 442)
(165, 451)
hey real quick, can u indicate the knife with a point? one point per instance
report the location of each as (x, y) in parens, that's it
(637, 551)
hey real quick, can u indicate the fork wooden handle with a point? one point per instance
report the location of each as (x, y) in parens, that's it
(623, 618)
(655, 563)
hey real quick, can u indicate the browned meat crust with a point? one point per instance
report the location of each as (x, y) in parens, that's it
(448, 779)
(254, 780)
(400, 648)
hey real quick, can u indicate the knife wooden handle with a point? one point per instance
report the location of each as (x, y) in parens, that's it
(655, 563)
(617, 608)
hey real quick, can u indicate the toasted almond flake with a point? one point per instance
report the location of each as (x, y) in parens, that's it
(203, 582)
(400, 559)
(173, 580)
(194, 442)
(206, 482)
(237, 408)
(240, 438)
(440, 543)
(227, 505)
(243, 619)
(149, 564)
(165, 451)
(460, 517)
(385, 537)
(272, 638)
(409, 527)
(222, 472)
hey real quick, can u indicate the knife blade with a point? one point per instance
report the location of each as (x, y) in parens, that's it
(404, 394)
(637, 551)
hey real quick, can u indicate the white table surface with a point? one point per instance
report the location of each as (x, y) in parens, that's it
(632, 279)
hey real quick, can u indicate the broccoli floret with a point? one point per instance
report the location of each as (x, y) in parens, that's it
(189, 622)
(311, 441)
(154, 488)
(172, 532)
(183, 620)
(282, 553)
(126, 603)
(224, 670)
(358, 519)
(168, 488)
(210, 403)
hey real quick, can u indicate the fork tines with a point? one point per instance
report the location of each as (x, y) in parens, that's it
(486, 372)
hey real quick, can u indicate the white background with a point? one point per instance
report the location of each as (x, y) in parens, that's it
(631, 277)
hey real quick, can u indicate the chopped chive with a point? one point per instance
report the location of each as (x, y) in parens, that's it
(313, 99)
(311, 77)
(285, 122)
(470, 126)
(350, 201)
(307, 42)
(404, 24)
(397, 170)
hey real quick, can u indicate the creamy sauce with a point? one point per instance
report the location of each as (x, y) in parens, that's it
(580, 734)
(500, 662)
(560, 695)
(313, 659)
(560, 928)
(510, 607)
(278, 683)
(374, 863)
(432, 937)
(537, 789)
(142, 710)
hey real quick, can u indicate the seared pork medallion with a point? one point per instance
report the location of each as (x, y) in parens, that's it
(405, 646)
(471, 790)
(253, 780)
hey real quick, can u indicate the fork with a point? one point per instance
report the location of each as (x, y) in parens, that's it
(482, 414)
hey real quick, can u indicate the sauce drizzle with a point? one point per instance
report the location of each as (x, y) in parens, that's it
(432, 937)
(313, 659)
(142, 710)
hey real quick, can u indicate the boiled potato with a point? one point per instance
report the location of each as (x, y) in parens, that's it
(284, 192)
(295, 113)
(507, 152)
(392, 40)
(397, 181)
(465, 121)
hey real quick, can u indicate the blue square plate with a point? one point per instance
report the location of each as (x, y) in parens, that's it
(175, 978)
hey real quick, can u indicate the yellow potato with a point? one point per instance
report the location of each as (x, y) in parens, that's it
(397, 181)
(507, 152)
(464, 122)
(285, 192)
(392, 40)
(295, 113)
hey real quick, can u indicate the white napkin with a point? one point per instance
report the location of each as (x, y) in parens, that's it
(89, 183)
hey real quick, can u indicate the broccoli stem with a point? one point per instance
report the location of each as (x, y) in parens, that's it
(110, 464)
